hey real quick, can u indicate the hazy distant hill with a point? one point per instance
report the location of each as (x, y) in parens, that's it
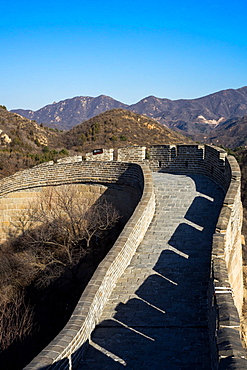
(194, 116)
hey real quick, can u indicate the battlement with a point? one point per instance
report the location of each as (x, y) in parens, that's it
(201, 159)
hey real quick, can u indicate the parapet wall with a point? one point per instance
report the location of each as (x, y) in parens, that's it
(201, 159)
(227, 273)
(65, 349)
(69, 172)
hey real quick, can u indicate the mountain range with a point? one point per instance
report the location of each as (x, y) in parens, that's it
(192, 116)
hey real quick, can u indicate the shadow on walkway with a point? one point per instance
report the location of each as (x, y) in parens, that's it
(164, 326)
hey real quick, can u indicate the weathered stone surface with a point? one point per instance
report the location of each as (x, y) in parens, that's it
(156, 317)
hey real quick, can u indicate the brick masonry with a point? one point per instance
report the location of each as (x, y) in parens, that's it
(226, 256)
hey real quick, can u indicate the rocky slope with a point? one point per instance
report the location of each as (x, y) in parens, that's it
(232, 133)
(70, 112)
(24, 143)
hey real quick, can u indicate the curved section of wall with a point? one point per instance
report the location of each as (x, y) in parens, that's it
(65, 349)
(121, 184)
(73, 172)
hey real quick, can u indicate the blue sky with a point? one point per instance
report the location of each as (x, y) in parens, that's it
(54, 50)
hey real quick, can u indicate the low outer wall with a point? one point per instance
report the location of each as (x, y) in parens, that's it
(64, 350)
(227, 274)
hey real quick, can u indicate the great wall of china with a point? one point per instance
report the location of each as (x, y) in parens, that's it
(127, 177)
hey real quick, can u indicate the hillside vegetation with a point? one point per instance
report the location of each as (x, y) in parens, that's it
(118, 128)
(24, 143)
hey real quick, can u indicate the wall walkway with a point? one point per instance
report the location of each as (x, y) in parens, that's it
(157, 315)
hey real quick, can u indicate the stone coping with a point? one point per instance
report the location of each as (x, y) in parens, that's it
(231, 353)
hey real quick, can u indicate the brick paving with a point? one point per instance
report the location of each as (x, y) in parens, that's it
(156, 317)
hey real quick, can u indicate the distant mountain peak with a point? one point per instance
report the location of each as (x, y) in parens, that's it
(180, 114)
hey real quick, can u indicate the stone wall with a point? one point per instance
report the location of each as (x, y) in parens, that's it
(65, 349)
(15, 205)
(225, 286)
(71, 171)
(131, 154)
(119, 182)
(226, 283)
(171, 158)
(227, 272)
(226, 290)
(100, 155)
(224, 170)
(201, 159)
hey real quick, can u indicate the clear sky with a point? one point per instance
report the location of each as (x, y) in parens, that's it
(55, 50)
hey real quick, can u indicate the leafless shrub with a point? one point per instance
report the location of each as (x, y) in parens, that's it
(16, 320)
(50, 239)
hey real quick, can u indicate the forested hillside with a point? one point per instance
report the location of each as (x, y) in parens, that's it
(24, 143)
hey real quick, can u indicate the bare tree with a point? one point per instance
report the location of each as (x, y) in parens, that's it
(57, 230)
(15, 314)
(51, 237)
(101, 217)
